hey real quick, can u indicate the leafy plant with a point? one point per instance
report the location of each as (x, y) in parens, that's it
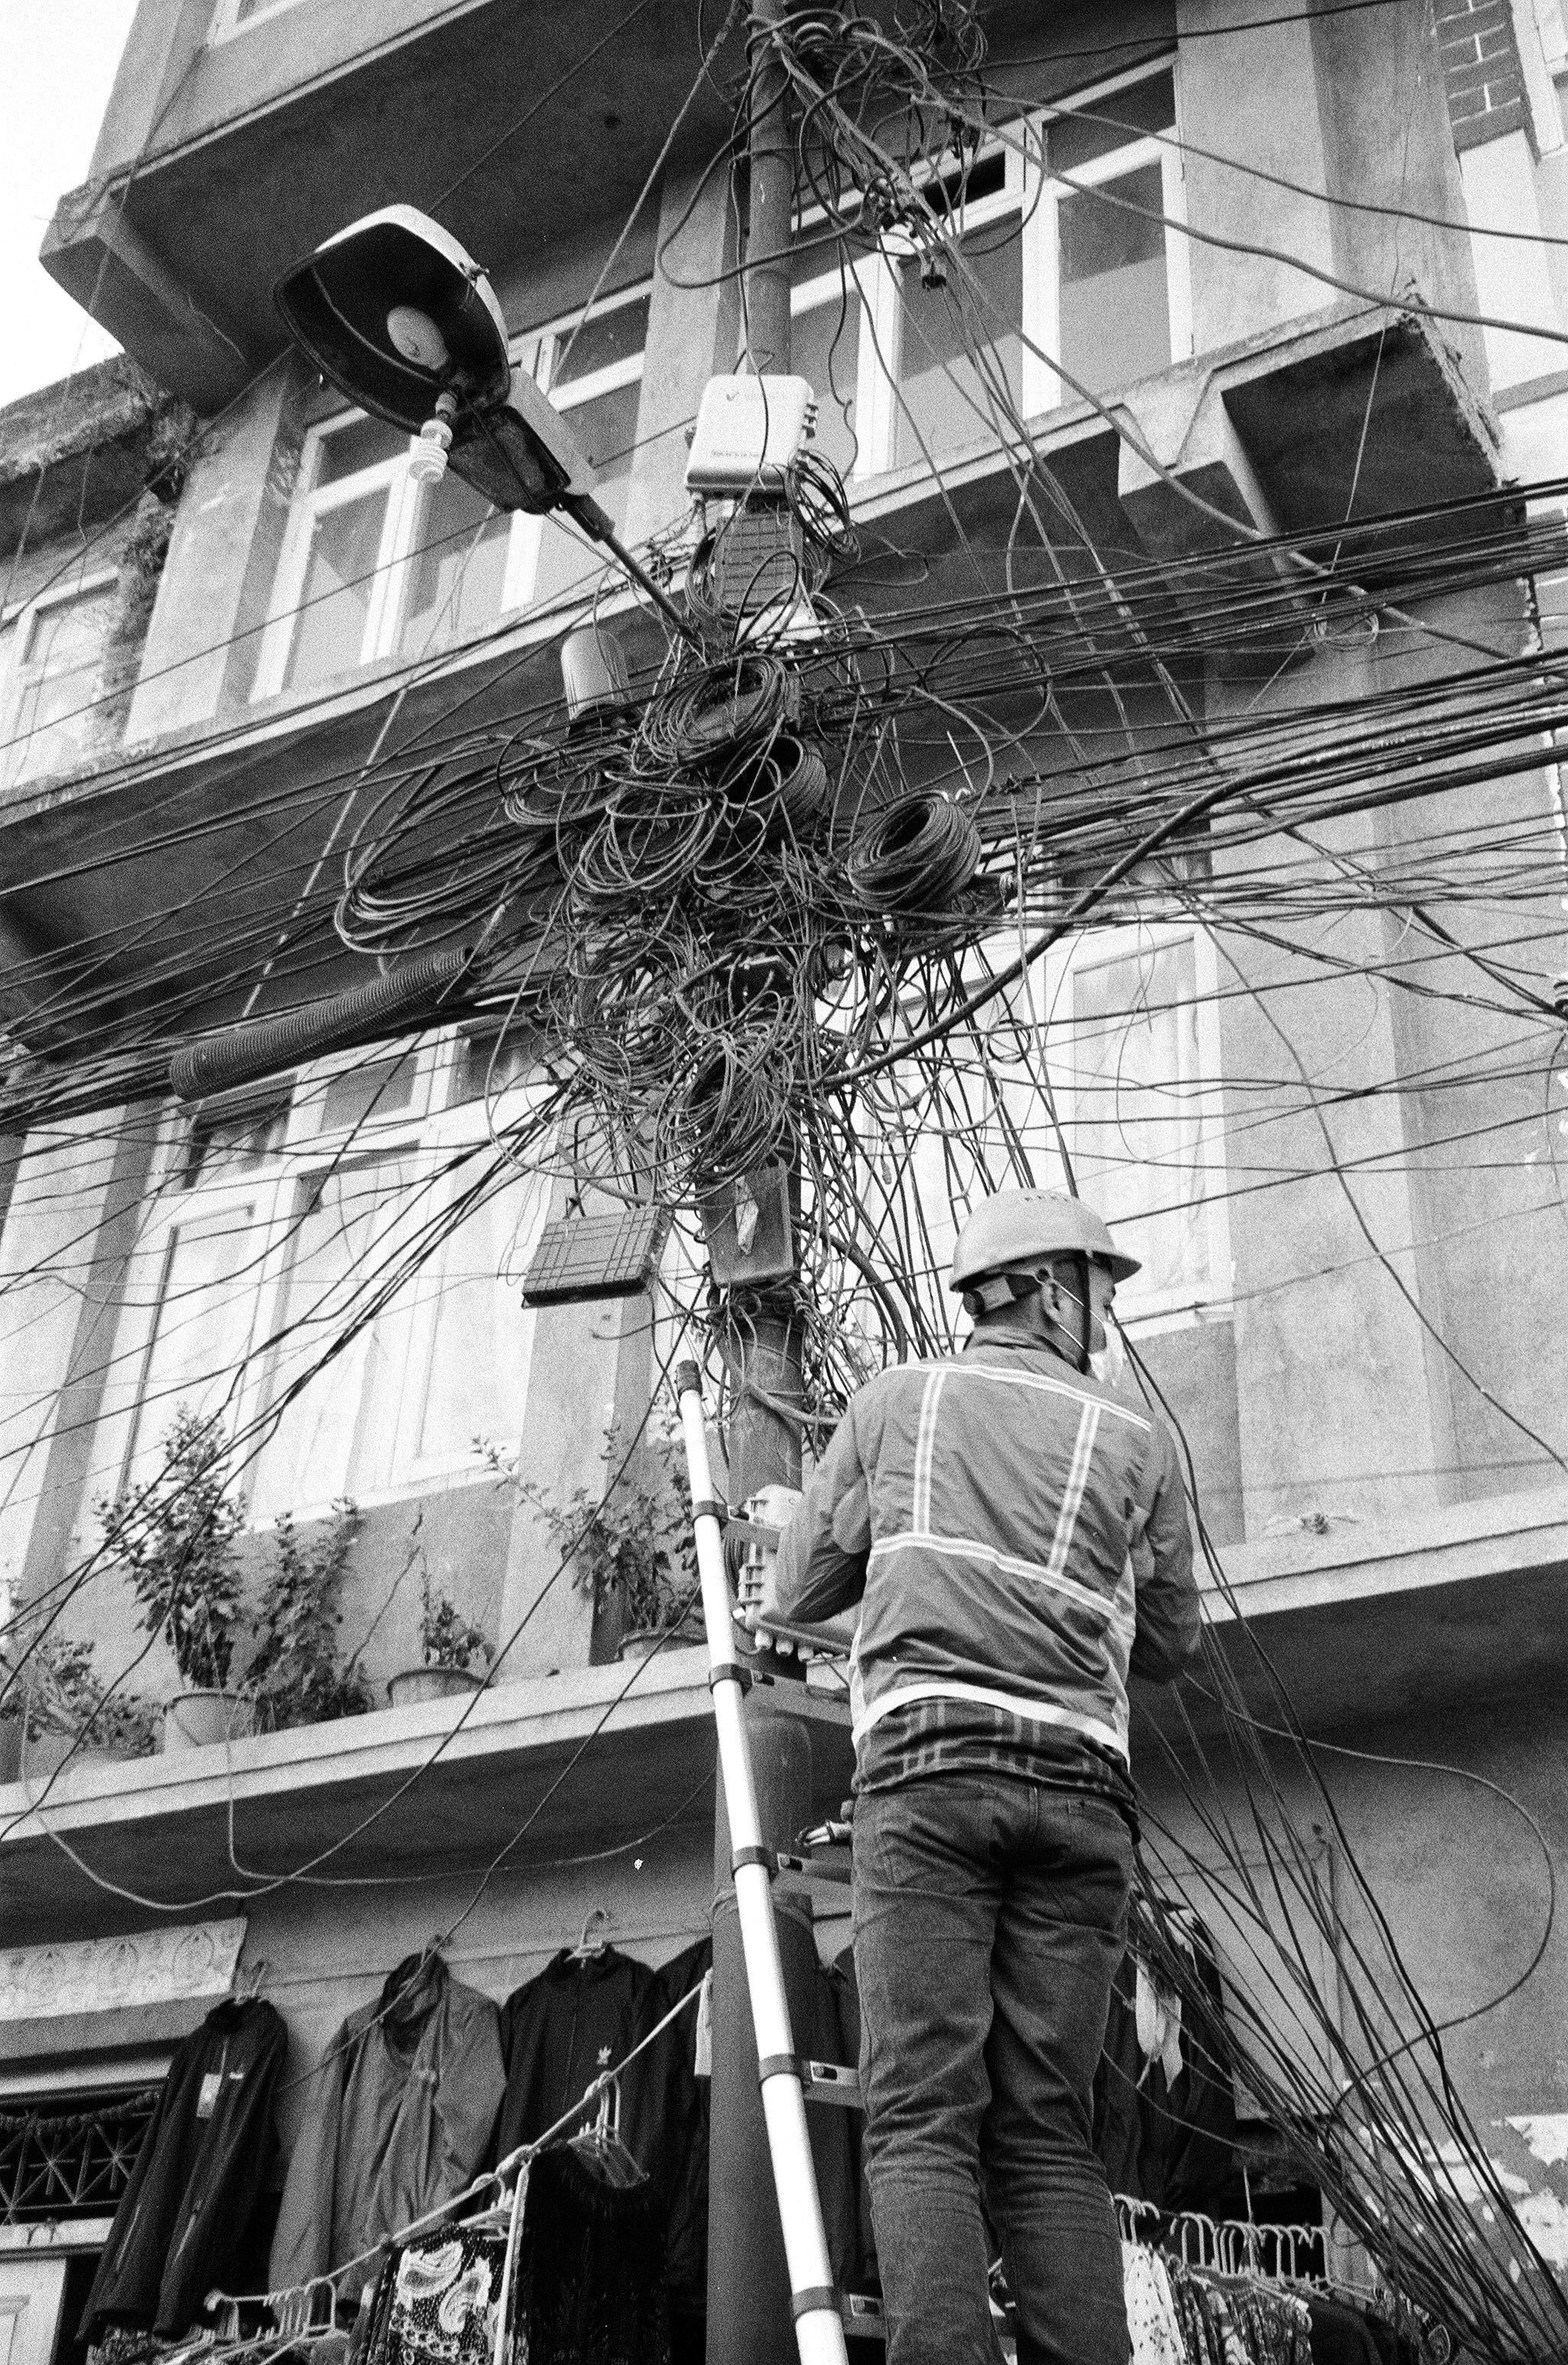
(298, 1672)
(60, 1692)
(175, 1536)
(446, 1639)
(634, 1543)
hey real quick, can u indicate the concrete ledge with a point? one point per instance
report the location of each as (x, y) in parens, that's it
(1499, 1536)
(590, 1759)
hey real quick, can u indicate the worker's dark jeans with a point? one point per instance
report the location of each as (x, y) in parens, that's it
(989, 1915)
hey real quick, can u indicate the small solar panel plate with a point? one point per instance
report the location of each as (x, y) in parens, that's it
(583, 1257)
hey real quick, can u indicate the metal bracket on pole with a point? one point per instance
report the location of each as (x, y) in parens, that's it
(819, 2329)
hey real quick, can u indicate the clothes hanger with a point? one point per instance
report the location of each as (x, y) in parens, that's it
(248, 1983)
(601, 2149)
(590, 1947)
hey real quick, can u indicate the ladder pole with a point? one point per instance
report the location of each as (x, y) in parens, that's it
(819, 2330)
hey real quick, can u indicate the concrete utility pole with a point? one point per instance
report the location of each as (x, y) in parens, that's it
(749, 2320)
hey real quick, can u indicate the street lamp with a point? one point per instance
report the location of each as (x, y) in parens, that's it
(402, 320)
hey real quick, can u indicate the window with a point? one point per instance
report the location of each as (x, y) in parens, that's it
(1121, 1024)
(50, 654)
(375, 566)
(1136, 1068)
(1079, 270)
(279, 1223)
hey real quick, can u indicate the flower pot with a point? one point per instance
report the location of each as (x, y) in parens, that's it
(47, 1754)
(420, 1684)
(644, 1640)
(195, 1719)
(10, 1748)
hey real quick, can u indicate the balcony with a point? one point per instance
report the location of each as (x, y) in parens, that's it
(1267, 433)
(1369, 1623)
(561, 1766)
(221, 162)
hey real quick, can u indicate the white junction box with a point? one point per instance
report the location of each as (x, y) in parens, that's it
(748, 430)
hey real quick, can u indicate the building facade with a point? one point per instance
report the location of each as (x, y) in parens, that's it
(1241, 274)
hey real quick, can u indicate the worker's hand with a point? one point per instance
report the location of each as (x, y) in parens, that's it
(769, 1509)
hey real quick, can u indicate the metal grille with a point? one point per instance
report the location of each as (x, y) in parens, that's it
(582, 1257)
(76, 2163)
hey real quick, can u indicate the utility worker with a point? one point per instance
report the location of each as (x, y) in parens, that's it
(1015, 1532)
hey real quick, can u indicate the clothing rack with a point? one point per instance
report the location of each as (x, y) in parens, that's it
(293, 2307)
(1234, 2248)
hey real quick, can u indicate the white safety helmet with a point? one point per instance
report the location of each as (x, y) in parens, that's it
(1023, 1228)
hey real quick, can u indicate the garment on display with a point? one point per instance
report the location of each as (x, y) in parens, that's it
(436, 2300)
(203, 2166)
(591, 2288)
(583, 2013)
(1164, 2104)
(1152, 2322)
(400, 2118)
(689, 2083)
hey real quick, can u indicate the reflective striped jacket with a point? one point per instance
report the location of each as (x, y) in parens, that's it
(1017, 1535)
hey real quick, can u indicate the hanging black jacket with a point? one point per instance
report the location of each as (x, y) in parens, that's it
(562, 2029)
(1168, 2142)
(203, 2164)
(686, 2233)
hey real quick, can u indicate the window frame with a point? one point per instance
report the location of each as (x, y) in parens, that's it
(1031, 192)
(228, 25)
(407, 505)
(17, 674)
(1158, 1309)
(277, 1189)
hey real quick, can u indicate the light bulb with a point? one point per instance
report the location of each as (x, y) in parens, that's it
(417, 338)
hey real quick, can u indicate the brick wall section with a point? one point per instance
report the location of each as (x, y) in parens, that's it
(1484, 80)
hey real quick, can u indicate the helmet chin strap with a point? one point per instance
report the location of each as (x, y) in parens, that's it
(998, 1289)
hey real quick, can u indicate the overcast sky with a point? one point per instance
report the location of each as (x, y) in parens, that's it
(59, 58)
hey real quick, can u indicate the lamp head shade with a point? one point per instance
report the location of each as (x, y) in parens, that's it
(394, 313)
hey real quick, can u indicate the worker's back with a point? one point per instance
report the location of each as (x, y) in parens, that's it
(1003, 1500)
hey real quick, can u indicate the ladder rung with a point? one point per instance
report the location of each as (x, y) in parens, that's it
(810, 1867)
(832, 2082)
(862, 2315)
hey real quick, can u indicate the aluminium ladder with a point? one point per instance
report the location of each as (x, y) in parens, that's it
(787, 2081)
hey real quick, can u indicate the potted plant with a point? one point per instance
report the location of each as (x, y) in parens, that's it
(299, 1674)
(68, 1712)
(175, 1536)
(450, 1646)
(633, 1548)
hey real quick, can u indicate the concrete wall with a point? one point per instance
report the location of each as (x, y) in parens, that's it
(1254, 97)
(202, 641)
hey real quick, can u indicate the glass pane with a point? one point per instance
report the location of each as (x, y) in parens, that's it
(607, 428)
(202, 1329)
(337, 1434)
(1115, 306)
(477, 1374)
(945, 398)
(1118, 117)
(375, 1088)
(361, 444)
(613, 336)
(457, 574)
(232, 1144)
(1133, 1075)
(50, 727)
(71, 632)
(334, 604)
(488, 1063)
(827, 342)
